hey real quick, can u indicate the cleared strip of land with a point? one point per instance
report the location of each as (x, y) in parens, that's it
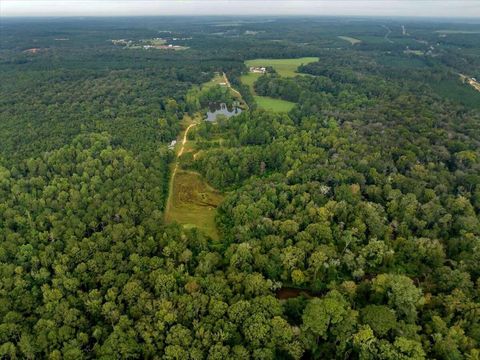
(284, 67)
(473, 83)
(351, 40)
(191, 201)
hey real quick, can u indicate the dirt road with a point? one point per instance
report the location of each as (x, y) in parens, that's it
(229, 85)
(174, 172)
(180, 152)
(470, 81)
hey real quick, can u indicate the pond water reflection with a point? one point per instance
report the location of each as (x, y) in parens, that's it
(216, 109)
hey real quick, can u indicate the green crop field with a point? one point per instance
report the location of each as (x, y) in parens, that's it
(284, 67)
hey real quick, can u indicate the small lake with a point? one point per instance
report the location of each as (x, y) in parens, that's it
(221, 109)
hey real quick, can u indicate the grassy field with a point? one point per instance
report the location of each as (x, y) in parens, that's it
(414, 52)
(351, 40)
(264, 102)
(277, 105)
(284, 67)
(249, 79)
(216, 80)
(157, 41)
(193, 203)
(219, 79)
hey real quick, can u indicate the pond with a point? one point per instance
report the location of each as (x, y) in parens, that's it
(216, 109)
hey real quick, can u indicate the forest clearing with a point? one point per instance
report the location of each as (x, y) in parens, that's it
(285, 68)
(191, 201)
(265, 102)
(222, 80)
(271, 104)
(216, 80)
(179, 149)
(351, 40)
(471, 81)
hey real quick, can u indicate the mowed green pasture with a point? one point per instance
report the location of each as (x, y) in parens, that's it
(265, 102)
(284, 67)
(249, 80)
(271, 104)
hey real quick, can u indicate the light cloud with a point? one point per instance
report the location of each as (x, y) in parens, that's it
(432, 8)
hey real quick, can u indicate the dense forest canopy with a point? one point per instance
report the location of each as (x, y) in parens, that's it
(350, 226)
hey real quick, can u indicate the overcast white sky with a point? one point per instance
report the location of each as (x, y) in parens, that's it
(434, 8)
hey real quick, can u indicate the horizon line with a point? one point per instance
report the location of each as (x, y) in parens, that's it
(244, 15)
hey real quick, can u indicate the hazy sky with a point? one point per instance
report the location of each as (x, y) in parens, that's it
(443, 8)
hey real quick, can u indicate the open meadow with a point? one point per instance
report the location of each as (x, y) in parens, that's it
(271, 104)
(265, 102)
(193, 202)
(284, 67)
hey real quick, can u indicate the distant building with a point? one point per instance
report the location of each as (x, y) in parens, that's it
(258, 70)
(32, 50)
(121, 42)
(172, 144)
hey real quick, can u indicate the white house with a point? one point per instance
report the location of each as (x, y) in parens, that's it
(258, 70)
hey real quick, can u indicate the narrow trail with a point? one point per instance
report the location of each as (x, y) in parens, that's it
(184, 141)
(197, 197)
(226, 81)
(230, 85)
(175, 169)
